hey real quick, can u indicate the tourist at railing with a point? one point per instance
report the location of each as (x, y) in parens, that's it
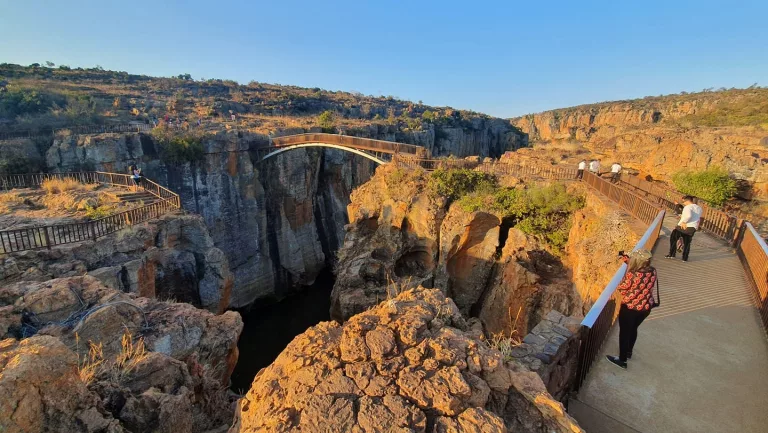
(136, 176)
(594, 167)
(582, 167)
(686, 228)
(637, 300)
(615, 172)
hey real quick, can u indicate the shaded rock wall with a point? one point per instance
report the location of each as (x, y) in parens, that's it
(172, 257)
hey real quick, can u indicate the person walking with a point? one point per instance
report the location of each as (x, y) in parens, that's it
(615, 172)
(637, 300)
(686, 228)
(582, 167)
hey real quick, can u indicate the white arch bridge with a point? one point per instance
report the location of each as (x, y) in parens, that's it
(378, 151)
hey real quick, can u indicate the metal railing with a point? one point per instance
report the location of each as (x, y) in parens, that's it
(629, 201)
(37, 237)
(359, 143)
(76, 130)
(497, 168)
(753, 253)
(713, 221)
(600, 318)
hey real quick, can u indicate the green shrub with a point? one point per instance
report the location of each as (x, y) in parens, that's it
(543, 212)
(17, 102)
(179, 147)
(456, 183)
(713, 185)
(327, 121)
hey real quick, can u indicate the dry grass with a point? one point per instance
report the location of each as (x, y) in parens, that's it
(94, 365)
(57, 186)
(505, 342)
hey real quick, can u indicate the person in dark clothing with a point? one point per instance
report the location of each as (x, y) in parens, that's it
(686, 228)
(637, 299)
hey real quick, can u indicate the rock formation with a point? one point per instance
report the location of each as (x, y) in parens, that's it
(172, 257)
(410, 364)
(654, 138)
(81, 364)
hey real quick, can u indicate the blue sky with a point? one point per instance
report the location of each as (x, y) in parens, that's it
(504, 58)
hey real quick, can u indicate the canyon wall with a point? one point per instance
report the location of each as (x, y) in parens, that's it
(657, 136)
(278, 222)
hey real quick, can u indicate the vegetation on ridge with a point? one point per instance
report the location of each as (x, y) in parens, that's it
(713, 185)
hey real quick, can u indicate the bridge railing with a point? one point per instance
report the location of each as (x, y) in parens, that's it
(637, 206)
(349, 141)
(47, 236)
(600, 318)
(753, 253)
(714, 221)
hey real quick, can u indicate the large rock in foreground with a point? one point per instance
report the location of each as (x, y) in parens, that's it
(408, 365)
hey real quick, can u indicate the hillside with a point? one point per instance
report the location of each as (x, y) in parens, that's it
(37, 97)
(658, 136)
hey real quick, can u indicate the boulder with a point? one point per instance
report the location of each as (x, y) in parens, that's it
(409, 363)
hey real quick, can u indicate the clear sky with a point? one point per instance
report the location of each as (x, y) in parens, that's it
(504, 58)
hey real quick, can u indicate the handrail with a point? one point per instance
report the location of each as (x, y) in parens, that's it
(610, 288)
(753, 254)
(46, 236)
(77, 130)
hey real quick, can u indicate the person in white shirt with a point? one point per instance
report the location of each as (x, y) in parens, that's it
(686, 227)
(594, 167)
(615, 172)
(582, 167)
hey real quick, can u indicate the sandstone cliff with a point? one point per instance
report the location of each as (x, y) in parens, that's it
(401, 235)
(94, 359)
(659, 136)
(410, 364)
(172, 257)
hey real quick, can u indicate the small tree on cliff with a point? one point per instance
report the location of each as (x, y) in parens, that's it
(713, 185)
(327, 121)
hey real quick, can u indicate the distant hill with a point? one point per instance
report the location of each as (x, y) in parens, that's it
(39, 97)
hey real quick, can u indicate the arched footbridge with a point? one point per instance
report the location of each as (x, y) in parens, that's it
(379, 151)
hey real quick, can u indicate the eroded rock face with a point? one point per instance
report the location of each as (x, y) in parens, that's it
(410, 364)
(177, 383)
(393, 237)
(172, 257)
(42, 391)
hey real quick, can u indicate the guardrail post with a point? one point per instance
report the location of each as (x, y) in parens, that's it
(47, 239)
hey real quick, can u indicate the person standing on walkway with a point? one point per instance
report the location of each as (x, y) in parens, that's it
(136, 177)
(582, 167)
(637, 299)
(615, 172)
(686, 228)
(594, 167)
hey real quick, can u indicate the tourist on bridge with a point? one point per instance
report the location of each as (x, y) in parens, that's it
(686, 228)
(136, 176)
(582, 167)
(594, 167)
(615, 172)
(637, 300)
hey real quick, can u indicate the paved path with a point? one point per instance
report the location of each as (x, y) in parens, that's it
(701, 360)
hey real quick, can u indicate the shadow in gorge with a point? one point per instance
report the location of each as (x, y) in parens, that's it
(270, 326)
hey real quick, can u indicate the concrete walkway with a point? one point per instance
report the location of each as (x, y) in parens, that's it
(701, 359)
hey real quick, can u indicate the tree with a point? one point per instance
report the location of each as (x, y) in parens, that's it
(327, 120)
(34, 65)
(99, 68)
(713, 185)
(49, 64)
(428, 116)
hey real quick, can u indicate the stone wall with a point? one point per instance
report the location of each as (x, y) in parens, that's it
(551, 350)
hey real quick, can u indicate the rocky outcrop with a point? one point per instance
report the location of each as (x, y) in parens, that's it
(598, 233)
(172, 257)
(100, 360)
(654, 138)
(468, 243)
(410, 364)
(392, 239)
(112, 361)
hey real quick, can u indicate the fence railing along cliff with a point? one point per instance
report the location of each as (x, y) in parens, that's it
(76, 130)
(47, 236)
(600, 318)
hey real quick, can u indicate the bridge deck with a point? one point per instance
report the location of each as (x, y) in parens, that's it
(701, 360)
